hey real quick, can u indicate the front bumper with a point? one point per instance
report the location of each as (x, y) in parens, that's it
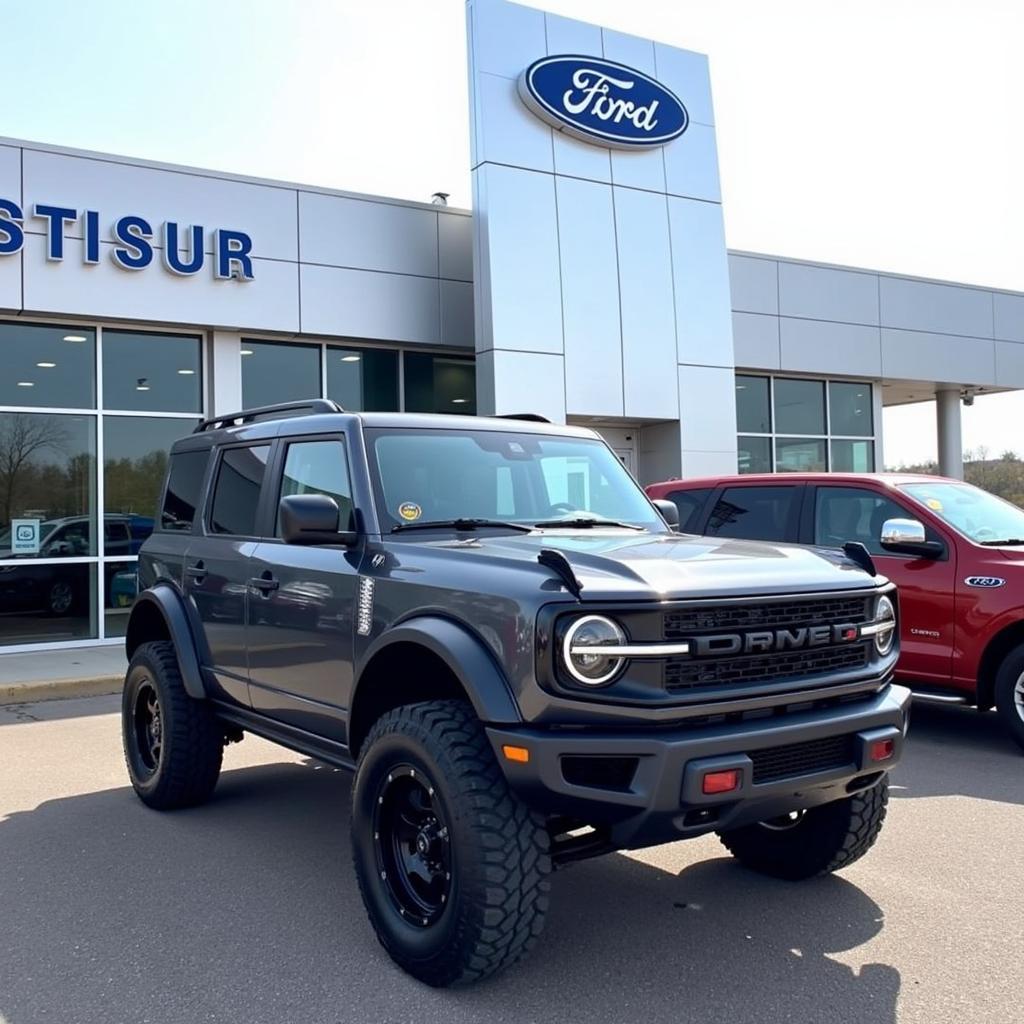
(662, 798)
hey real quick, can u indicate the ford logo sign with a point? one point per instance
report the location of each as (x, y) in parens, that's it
(985, 582)
(602, 102)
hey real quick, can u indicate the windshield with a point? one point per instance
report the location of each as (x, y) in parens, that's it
(978, 515)
(427, 475)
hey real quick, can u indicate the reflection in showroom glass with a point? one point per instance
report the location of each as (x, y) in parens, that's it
(120, 587)
(47, 602)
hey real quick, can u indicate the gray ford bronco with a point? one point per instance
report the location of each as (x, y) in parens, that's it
(491, 623)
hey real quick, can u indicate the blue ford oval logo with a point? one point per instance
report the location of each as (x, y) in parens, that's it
(985, 582)
(602, 102)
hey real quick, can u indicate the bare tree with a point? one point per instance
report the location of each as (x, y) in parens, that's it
(22, 436)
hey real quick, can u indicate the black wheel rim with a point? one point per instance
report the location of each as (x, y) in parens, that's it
(60, 598)
(148, 726)
(413, 845)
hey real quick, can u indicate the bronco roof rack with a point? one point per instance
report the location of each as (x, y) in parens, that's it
(312, 407)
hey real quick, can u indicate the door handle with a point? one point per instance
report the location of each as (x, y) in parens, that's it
(196, 572)
(264, 583)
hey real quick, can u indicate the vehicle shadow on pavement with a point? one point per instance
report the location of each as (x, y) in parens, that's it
(247, 909)
(980, 759)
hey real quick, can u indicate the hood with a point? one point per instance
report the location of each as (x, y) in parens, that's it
(619, 565)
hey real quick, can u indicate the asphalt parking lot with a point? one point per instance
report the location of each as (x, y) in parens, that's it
(246, 910)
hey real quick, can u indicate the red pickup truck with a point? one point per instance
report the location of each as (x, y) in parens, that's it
(955, 552)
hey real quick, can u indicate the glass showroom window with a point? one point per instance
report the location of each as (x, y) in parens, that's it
(788, 424)
(359, 378)
(68, 572)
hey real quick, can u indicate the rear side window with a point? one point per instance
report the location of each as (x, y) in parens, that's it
(753, 513)
(184, 483)
(236, 494)
(689, 504)
(318, 467)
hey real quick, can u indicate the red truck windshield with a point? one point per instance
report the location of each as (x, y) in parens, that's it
(978, 515)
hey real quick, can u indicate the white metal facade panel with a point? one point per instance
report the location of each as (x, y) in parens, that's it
(1010, 364)
(265, 213)
(366, 304)
(455, 246)
(1009, 316)
(645, 296)
(931, 306)
(503, 372)
(826, 293)
(754, 284)
(590, 296)
(10, 283)
(686, 74)
(457, 313)
(755, 341)
(701, 464)
(270, 302)
(10, 173)
(339, 232)
(701, 283)
(822, 346)
(507, 133)
(691, 165)
(522, 257)
(707, 423)
(946, 358)
(226, 372)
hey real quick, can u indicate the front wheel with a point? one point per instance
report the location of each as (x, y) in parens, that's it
(817, 841)
(1010, 693)
(452, 867)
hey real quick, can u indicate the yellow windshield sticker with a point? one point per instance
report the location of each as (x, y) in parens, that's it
(934, 504)
(409, 511)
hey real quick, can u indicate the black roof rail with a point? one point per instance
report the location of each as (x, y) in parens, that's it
(531, 417)
(311, 407)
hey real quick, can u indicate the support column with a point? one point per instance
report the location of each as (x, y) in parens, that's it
(225, 373)
(947, 422)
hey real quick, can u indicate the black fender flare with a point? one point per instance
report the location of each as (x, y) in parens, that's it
(466, 656)
(164, 600)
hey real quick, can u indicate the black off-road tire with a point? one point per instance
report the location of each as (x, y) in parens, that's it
(1009, 693)
(183, 770)
(822, 840)
(493, 849)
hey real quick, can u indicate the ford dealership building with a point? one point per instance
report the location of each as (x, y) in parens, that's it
(590, 283)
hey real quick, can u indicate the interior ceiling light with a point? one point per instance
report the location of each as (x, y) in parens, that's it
(74, 337)
(459, 401)
(26, 384)
(46, 366)
(350, 359)
(246, 351)
(187, 373)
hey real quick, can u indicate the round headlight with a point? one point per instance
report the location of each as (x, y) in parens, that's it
(582, 654)
(885, 620)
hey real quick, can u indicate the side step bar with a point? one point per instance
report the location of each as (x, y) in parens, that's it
(927, 697)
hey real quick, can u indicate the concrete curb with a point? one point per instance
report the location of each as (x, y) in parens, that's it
(58, 689)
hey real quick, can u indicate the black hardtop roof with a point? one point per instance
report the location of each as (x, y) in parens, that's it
(326, 422)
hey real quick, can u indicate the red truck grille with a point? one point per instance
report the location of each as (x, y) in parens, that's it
(687, 674)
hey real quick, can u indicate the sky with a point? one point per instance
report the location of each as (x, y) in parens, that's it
(881, 134)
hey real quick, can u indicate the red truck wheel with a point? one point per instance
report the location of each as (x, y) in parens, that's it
(1010, 693)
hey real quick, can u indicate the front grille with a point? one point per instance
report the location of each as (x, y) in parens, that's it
(689, 674)
(797, 759)
(681, 624)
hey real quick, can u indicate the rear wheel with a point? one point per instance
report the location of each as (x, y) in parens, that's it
(173, 743)
(452, 867)
(817, 841)
(1010, 693)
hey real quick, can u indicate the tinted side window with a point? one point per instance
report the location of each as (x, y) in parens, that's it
(843, 514)
(236, 493)
(184, 482)
(753, 513)
(319, 467)
(689, 504)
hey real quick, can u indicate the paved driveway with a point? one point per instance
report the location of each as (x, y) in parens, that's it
(246, 910)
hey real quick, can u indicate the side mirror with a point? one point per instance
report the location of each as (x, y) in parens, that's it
(312, 519)
(907, 537)
(669, 512)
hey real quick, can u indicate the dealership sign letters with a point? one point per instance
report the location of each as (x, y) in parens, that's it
(132, 243)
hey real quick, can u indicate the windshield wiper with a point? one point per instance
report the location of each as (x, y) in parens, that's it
(585, 522)
(998, 543)
(462, 524)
